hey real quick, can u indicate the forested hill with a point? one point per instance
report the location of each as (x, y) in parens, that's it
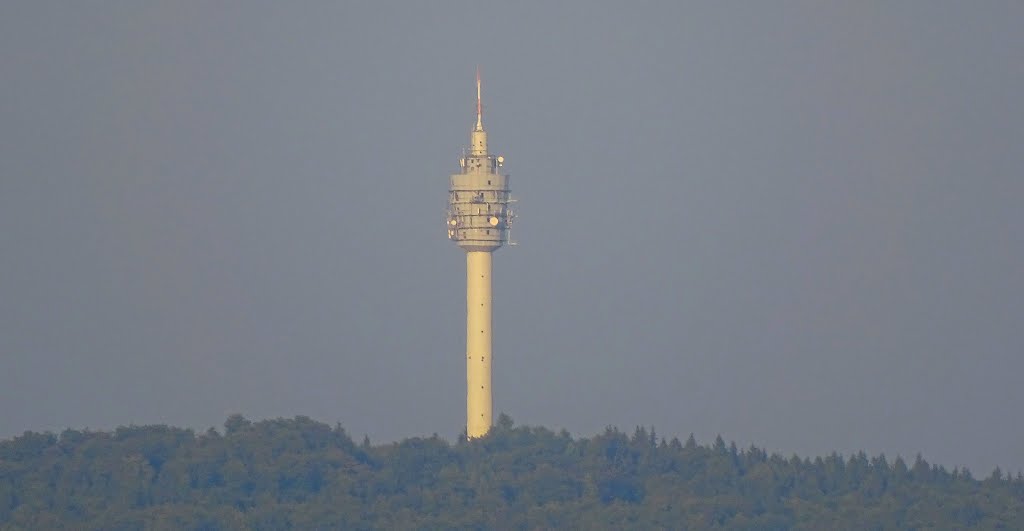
(301, 474)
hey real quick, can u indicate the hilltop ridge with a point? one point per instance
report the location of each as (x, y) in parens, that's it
(299, 474)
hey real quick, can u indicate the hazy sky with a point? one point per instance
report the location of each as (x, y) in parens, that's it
(797, 224)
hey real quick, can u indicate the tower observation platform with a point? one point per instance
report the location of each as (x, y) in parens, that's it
(479, 214)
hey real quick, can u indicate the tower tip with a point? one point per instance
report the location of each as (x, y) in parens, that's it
(479, 104)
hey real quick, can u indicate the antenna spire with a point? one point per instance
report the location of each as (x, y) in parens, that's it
(479, 105)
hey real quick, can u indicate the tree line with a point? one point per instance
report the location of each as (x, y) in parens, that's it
(302, 474)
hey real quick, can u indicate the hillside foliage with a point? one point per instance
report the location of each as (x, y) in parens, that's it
(302, 474)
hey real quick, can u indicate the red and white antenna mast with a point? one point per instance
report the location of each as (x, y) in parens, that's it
(479, 104)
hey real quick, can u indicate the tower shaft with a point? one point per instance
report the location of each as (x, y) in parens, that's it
(478, 343)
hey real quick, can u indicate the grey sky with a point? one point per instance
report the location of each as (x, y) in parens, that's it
(797, 224)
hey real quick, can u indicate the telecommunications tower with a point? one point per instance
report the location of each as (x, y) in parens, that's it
(478, 219)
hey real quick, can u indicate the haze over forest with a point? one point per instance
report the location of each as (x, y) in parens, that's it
(793, 224)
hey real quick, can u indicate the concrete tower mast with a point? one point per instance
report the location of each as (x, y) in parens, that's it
(478, 220)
